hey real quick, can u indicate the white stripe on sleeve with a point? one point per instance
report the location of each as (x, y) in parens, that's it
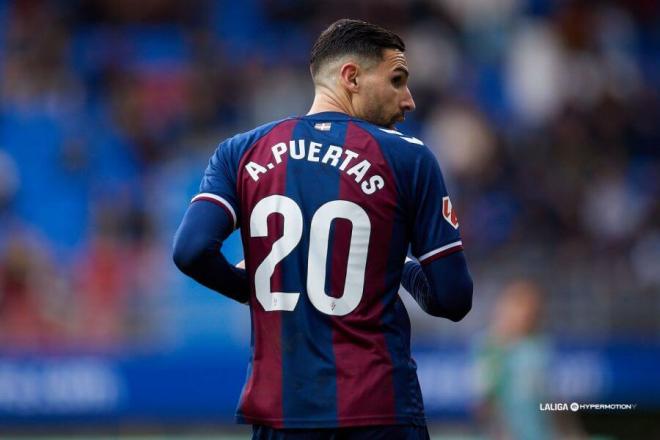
(440, 249)
(220, 200)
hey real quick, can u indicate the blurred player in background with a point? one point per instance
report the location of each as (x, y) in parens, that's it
(512, 365)
(328, 205)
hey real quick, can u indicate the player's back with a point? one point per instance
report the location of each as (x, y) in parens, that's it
(325, 209)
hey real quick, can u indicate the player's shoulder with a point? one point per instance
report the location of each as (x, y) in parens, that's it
(389, 137)
(396, 142)
(244, 140)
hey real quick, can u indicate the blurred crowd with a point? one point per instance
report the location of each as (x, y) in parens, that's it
(543, 114)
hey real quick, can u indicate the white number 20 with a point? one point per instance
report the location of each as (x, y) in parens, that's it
(318, 253)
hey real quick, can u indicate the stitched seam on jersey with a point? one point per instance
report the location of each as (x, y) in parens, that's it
(440, 249)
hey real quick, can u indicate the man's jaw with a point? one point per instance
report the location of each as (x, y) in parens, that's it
(399, 118)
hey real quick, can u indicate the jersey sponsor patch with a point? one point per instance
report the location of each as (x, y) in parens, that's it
(448, 212)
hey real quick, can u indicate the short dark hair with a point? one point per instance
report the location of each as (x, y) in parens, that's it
(354, 37)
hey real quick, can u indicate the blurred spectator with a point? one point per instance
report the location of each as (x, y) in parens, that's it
(34, 301)
(115, 280)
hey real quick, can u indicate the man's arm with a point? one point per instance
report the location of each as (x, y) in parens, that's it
(442, 287)
(196, 253)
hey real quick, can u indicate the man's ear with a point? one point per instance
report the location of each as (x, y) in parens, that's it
(349, 73)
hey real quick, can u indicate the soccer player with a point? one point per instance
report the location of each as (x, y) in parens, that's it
(328, 205)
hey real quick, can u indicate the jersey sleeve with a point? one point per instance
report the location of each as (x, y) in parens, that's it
(219, 182)
(435, 230)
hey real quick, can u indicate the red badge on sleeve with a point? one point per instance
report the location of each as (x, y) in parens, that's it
(448, 212)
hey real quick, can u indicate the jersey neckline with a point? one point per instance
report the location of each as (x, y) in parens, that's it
(330, 115)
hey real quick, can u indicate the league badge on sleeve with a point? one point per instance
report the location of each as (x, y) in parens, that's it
(448, 212)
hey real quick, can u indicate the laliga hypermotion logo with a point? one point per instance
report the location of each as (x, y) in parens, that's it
(448, 212)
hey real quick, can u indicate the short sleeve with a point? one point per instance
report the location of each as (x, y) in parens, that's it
(219, 182)
(434, 229)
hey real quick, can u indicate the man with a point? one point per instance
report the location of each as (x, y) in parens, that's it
(512, 366)
(328, 204)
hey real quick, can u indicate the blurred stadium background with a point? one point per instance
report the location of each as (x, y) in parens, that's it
(545, 117)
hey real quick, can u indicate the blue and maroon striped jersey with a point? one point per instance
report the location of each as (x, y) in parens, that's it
(328, 205)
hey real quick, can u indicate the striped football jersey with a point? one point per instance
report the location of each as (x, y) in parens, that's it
(328, 206)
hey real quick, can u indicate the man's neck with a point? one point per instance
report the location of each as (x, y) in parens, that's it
(324, 102)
